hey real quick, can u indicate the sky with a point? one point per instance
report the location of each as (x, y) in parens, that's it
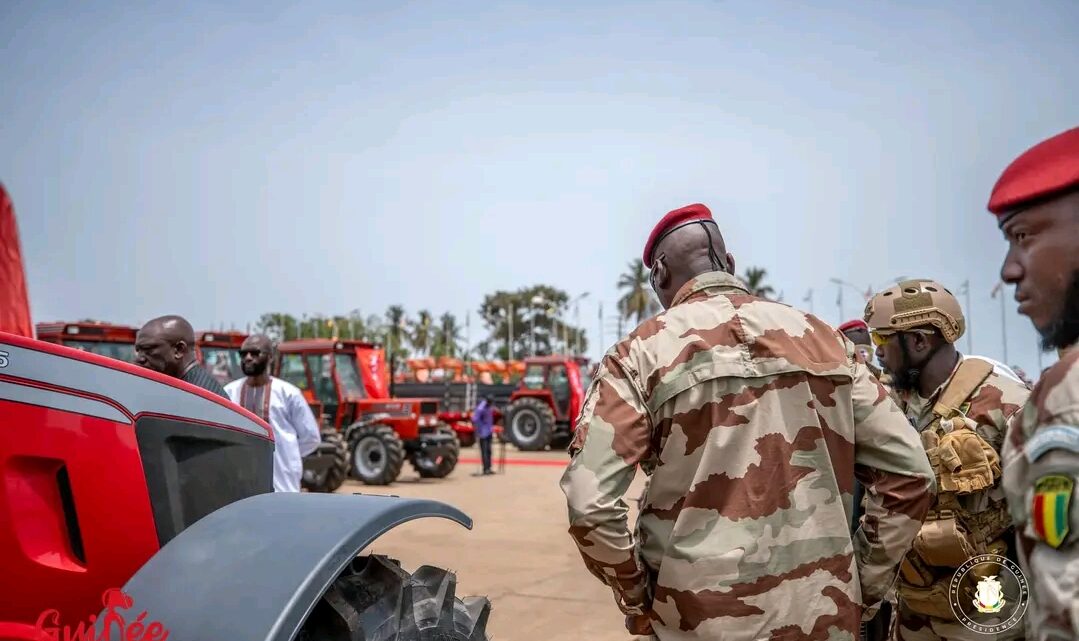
(225, 161)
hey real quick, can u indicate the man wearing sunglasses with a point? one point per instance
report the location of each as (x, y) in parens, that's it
(961, 408)
(752, 420)
(167, 345)
(1036, 204)
(282, 405)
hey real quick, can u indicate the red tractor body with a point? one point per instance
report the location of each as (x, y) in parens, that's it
(99, 476)
(547, 400)
(104, 339)
(347, 379)
(219, 353)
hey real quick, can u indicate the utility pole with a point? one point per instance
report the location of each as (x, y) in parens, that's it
(969, 314)
(1003, 319)
(509, 345)
(599, 335)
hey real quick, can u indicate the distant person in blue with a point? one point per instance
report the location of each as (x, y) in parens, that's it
(483, 420)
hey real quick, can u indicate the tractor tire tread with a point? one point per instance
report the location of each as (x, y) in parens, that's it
(336, 475)
(546, 424)
(395, 453)
(376, 600)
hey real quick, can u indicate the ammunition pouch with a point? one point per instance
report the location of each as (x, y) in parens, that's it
(932, 600)
(913, 572)
(943, 541)
(966, 463)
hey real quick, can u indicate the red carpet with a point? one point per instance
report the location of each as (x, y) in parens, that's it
(510, 461)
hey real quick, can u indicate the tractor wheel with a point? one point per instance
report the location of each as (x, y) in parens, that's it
(429, 467)
(531, 423)
(375, 599)
(334, 477)
(377, 454)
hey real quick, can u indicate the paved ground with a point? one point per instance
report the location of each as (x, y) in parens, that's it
(518, 552)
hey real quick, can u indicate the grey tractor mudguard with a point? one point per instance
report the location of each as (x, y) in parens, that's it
(253, 570)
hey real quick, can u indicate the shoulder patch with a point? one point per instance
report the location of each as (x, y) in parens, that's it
(1051, 508)
(1053, 437)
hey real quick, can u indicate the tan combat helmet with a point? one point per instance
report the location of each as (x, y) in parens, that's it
(915, 304)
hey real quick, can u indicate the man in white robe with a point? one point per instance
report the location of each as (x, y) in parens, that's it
(282, 405)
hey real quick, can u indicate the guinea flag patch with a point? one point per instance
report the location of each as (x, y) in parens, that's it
(1050, 511)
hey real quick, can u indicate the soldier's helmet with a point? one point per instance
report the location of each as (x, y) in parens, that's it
(912, 304)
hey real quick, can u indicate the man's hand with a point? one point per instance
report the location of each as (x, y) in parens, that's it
(639, 624)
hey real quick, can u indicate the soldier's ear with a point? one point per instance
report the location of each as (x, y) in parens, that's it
(731, 269)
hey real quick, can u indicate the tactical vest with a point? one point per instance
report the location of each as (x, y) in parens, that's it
(964, 463)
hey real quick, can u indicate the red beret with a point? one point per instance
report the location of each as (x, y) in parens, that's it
(1047, 168)
(854, 324)
(672, 221)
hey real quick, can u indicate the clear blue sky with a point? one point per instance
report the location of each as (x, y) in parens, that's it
(223, 162)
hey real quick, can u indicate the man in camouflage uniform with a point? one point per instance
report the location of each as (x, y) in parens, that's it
(753, 420)
(858, 333)
(1036, 201)
(960, 407)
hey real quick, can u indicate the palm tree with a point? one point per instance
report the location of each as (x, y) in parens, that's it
(449, 336)
(421, 333)
(638, 300)
(396, 321)
(754, 279)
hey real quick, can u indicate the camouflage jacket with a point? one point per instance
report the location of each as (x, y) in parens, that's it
(1041, 469)
(753, 420)
(990, 406)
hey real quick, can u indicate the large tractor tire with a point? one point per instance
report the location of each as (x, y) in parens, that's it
(375, 600)
(530, 423)
(376, 454)
(429, 467)
(334, 476)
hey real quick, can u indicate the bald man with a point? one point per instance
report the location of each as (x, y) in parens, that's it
(167, 345)
(752, 420)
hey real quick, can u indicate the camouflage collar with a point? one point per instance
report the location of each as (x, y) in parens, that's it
(708, 280)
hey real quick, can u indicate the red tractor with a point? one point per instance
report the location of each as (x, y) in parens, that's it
(114, 341)
(545, 403)
(219, 353)
(128, 492)
(347, 378)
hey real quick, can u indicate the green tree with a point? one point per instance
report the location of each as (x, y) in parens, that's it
(396, 326)
(639, 300)
(420, 334)
(278, 326)
(447, 342)
(535, 313)
(754, 279)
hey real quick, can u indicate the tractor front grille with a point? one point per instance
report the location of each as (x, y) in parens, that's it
(428, 407)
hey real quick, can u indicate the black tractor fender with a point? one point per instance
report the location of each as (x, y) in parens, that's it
(255, 569)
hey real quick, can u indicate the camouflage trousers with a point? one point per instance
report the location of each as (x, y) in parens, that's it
(911, 626)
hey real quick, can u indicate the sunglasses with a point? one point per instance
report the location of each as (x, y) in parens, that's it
(880, 338)
(251, 352)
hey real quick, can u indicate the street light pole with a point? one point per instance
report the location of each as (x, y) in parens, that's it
(998, 290)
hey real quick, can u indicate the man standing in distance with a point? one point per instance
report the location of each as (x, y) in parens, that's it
(1036, 202)
(167, 345)
(483, 420)
(960, 406)
(858, 333)
(753, 420)
(282, 405)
